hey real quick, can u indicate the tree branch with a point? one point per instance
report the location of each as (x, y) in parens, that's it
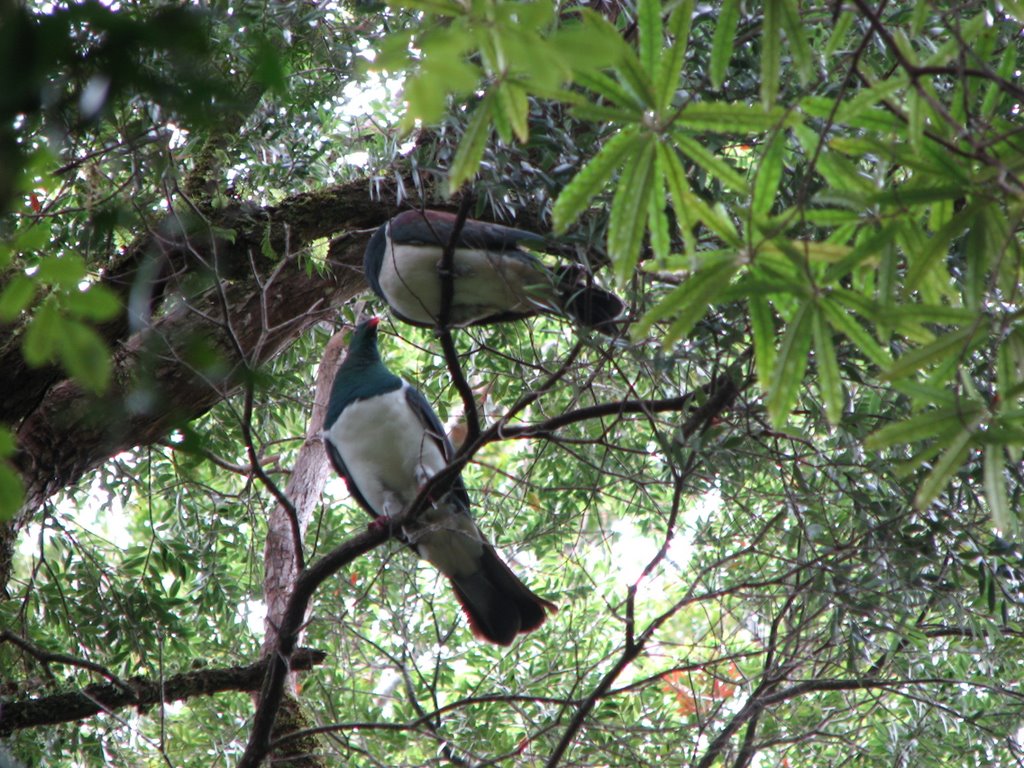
(142, 692)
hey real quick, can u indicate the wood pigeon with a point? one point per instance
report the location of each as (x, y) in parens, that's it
(494, 279)
(385, 440)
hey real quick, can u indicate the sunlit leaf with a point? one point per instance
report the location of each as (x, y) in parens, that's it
(830, 384)
(762, 326)
(670, 66)
(472, 146)
(769, 174)
(771, 51)
(627, 219)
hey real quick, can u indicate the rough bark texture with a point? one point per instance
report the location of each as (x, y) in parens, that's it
(256, 307)
(105, 697)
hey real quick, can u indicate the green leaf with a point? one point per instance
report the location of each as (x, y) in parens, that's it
(32, 238)
(85, 356)
(935, 423)
(714, 165)
(611, 90)
(839, 33)
(12, 492)
(16, 296)
(950, 343)
(928, 258)
(995, 491)
(796, 40)
(66, 271)
(629, 206)
(688, 302)
(944, 469)
(769, 175)
(7, 442)
(830, 384)
(735, 117)
(762, 325)
(99, 303)
(690, 207)
(43, 333)
(788, 375)
(657, 220)
(671, 65)
(650, 34)
(771, 51)
(471, 147)
(722, 42)
(591, 179)
(514, 105)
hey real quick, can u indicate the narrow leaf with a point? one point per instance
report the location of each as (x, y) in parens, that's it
(771, 51)
(928, 425)
(787, 378)
(769, 174)
(798, 46)
(591, 179)
(722, 43)
(952, 343)
(671, 65)
(762, 326)
(627, 219)
(847, 325)
(944, 469)
(830, 385)
(657, 220)
(471, 147)
(714, 165)
(995, 491)
(650, 34)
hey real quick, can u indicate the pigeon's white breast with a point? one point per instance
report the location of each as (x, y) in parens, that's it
(386, 449)
(486, 283)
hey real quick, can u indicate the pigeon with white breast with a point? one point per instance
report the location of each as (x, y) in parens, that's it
(383, 437)
(494, 279)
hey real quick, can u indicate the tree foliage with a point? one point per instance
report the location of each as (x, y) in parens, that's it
(778, 513)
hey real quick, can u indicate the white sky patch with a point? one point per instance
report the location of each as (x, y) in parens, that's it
(252, 613)
(633, 551)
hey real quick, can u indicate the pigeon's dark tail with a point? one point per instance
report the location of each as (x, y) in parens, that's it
(588, 303)
(498, 605)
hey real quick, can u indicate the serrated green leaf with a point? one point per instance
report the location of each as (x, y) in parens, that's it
(629, 206)
(650, 34)
(671, 65)
(717, 167)
(788, 375)
(85, 356)
(722, 42)
(762, 326)
(471, 147)
(42, 334)
(591, 179)
(688, 206)
(942, 472)
(771, 51)
(769, 175)
(995, 492)
(12, 492)
(16, 297)
(830, 385)
(657, 220)
(950, 343)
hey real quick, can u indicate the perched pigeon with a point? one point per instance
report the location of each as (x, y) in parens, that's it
(494, 279)
(383, 437)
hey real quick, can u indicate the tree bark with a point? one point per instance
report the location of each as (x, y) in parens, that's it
(64, 432)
